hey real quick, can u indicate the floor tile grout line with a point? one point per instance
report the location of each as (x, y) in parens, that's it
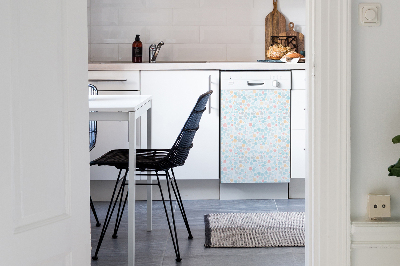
(276, 205)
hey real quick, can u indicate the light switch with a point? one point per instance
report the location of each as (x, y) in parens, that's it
(369, 14)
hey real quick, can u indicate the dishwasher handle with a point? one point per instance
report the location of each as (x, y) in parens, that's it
(249, 83)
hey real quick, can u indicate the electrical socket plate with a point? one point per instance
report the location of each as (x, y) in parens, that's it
(378, 206)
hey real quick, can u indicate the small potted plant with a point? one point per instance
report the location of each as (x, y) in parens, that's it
(394, 170)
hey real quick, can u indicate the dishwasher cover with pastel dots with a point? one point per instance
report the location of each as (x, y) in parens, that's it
(255, 127)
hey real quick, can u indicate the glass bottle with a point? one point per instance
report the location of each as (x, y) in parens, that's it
(137, 50)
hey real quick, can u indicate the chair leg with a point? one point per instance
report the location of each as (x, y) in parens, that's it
(120, 211)
(172, 214)
(174, 185)
(109, 212)
(174, 239)
(94, 213)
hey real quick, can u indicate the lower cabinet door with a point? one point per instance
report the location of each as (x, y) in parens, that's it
(174, 96)
(298, 153)
(298, 109)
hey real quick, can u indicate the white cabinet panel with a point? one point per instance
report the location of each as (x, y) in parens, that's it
(298, 154)
(174, 96)
(298, 109)
(298, 79)
(298, 115)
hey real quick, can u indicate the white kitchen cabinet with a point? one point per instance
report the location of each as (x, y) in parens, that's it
(298, 109)
(298, 125)
(298, 153)
(115, 80)
(298, 79)
(112, 134)
(174, 96)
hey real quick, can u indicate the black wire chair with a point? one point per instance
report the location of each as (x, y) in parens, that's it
(154, 160)
(92, 143)
(92, 124)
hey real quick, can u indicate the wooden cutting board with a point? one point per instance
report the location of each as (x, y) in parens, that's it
(292, 32)
(275, 23)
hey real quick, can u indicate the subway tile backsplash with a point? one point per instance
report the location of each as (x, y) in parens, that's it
(103, 52)
(145, 16)
(115, 34)
(199, 16)
(172, 3)
(171, 35)
(192, 30)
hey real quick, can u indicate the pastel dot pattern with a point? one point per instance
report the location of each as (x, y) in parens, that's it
(255, 136)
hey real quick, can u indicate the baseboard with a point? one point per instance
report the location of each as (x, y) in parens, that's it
(375, 242)
(101, 190)
(254, 191)
(375, 234)
(297, 188)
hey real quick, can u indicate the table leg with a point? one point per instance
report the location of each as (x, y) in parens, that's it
(132, 190)
(149, 178)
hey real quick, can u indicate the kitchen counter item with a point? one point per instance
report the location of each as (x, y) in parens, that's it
(270, 61)
(275, 23)
(287, 41)
(137, 50)
(154, 50)
(299, 37)
(277, 51)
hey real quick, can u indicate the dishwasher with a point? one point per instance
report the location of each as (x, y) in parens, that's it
(255, 127)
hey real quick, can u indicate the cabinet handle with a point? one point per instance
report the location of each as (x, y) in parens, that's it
(100, 80)
(209, 99)
(254, 83)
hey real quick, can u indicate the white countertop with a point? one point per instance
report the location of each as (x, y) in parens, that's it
(196, 66)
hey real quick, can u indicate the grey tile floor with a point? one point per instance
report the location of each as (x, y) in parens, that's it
(155, 248)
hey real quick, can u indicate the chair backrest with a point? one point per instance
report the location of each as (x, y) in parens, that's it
(92, 124)
(180, 150)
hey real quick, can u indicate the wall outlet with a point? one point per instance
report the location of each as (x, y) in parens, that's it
(378, 206)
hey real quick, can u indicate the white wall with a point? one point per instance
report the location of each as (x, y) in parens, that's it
(375, 120)
(375, 108)
(193, 30)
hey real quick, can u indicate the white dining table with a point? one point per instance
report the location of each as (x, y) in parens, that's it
(127, 108)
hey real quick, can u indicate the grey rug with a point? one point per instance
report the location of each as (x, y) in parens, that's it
(238, 230)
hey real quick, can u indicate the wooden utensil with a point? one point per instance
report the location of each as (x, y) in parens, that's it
(275, 23)
(299, 36)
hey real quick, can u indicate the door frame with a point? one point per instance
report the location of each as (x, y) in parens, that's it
(328, 132)
(328, 221)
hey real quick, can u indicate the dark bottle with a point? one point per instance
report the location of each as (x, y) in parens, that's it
(137, 50)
